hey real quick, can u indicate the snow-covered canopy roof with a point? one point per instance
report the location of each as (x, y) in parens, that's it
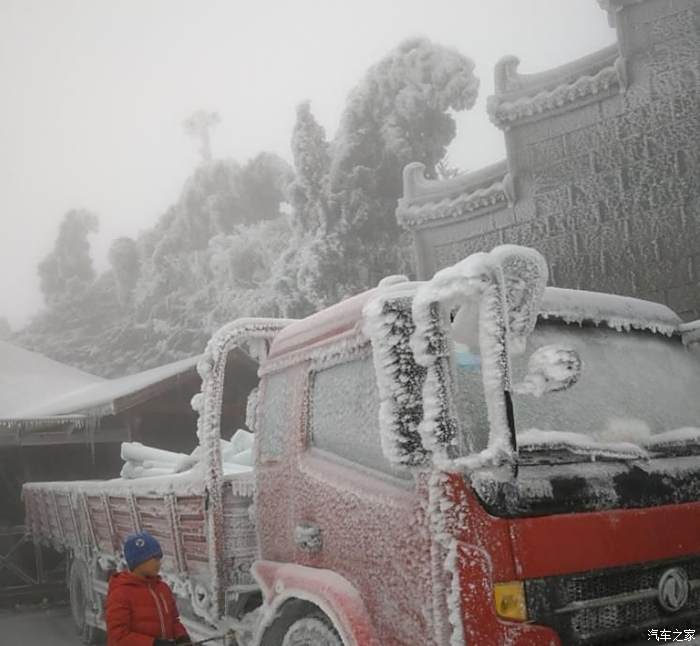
(51, 392)
(29, 377)
(111, 396)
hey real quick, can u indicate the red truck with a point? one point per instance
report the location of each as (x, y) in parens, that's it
(475, 459)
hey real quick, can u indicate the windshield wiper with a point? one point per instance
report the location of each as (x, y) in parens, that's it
(676, 443)
(531, 455)
(558, 446)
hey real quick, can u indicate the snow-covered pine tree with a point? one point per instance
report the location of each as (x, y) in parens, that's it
(311, 165)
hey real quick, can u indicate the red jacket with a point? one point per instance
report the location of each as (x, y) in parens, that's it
(139, 610)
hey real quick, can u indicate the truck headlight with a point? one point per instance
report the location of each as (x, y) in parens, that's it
(510, 600)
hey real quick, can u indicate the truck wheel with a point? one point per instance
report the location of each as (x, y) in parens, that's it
(312, 630)
(80, 592)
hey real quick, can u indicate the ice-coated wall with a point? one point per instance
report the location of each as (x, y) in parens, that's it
(603, 166)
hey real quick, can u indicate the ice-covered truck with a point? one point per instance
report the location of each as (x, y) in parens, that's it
(475, 459)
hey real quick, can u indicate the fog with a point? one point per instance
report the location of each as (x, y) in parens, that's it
(94, 95)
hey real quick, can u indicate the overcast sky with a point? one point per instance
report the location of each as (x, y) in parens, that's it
(94, 93)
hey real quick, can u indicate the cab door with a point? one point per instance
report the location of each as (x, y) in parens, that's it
(354, 512)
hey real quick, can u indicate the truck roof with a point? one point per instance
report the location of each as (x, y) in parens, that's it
(570, 305)
(332, 322)
(620, 312)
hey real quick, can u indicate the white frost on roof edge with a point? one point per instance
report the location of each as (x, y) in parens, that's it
(99, 398)
(618, 312)
(503, 113)
(414, 215)
(27, 377)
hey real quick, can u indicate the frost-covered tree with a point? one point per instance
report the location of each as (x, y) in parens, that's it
(199, 125)
(208, 259)
(74, 328)
(311, 165)
(125, 261)
(225, 248)
(207, 255)
(68, 269)
(399, 113)
(264, 183)
(220, 197)
(308, 195)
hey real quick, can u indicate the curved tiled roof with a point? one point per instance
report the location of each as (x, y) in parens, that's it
(523, 96)
(429, 200)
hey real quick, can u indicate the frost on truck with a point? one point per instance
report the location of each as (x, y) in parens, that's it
(587, 406)
(472, 459)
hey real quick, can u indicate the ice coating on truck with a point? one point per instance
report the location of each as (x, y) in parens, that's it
(434, 464)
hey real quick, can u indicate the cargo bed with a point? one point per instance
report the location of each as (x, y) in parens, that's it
(90, 520)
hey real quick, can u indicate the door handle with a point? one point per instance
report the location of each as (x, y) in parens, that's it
(308, 537)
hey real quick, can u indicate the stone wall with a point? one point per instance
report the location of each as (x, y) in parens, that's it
(603, 167)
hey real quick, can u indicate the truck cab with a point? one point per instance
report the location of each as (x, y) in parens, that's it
(536, 485)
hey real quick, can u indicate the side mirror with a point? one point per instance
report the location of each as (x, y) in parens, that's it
(551, 368)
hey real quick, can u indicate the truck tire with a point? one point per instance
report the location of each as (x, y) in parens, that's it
(313, 630)
(81, 602)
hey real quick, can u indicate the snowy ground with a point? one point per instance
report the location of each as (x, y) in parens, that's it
(38, 627)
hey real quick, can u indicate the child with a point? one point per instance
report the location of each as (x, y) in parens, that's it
(141, 609)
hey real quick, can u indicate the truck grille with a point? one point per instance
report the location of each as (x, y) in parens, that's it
(610, 606)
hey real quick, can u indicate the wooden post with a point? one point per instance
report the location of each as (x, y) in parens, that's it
(178, 546)
(88, 520)
(131, 499)
(110, 522)
(59, 522)
(38, 561)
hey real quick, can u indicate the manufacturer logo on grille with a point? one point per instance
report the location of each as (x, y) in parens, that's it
(673, 589)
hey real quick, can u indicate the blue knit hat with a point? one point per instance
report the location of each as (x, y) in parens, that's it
(140, 547)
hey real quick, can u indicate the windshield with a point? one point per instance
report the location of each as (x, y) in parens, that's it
(632, 385)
